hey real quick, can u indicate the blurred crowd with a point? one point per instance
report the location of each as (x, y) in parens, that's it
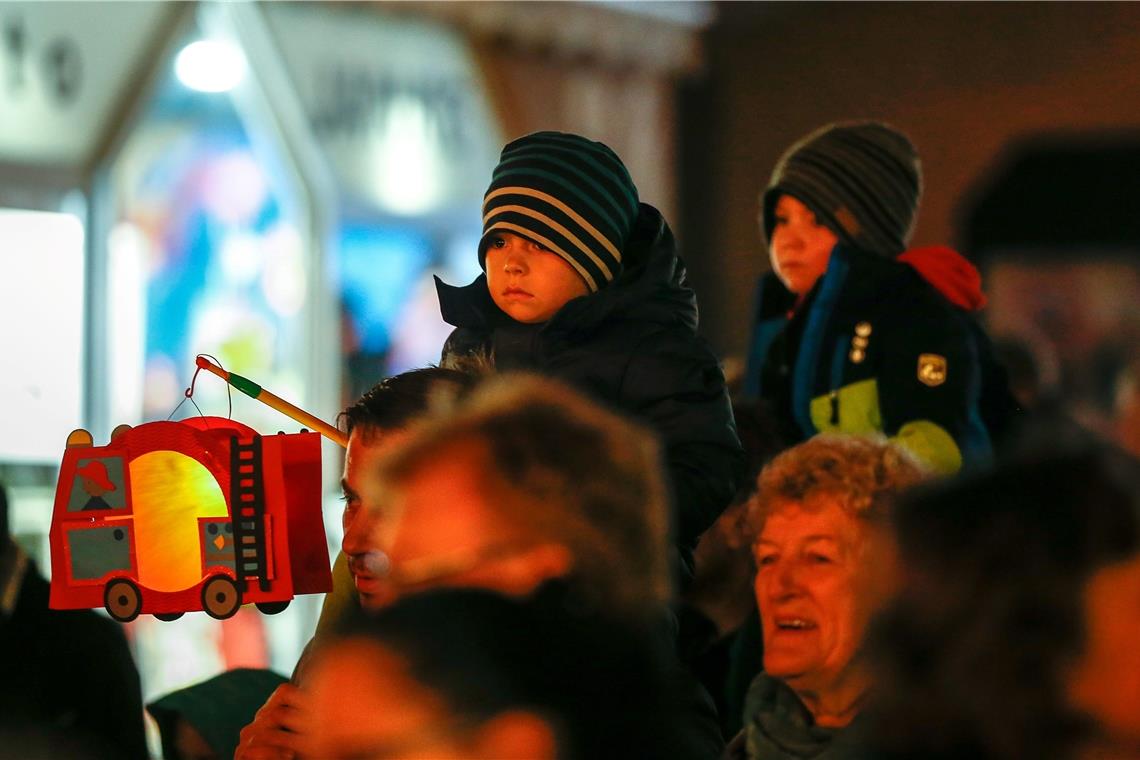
(575, 538)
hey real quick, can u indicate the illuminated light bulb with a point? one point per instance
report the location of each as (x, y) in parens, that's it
(210, 66)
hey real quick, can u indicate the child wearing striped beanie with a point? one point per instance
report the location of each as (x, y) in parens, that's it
(862, 180)
(854, 333)
(582, 283)
(569, 195)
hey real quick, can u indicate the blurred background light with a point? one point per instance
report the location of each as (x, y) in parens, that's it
(129, 252)
(409, 178)
(283, 279)
(210, 66)
(41, 343)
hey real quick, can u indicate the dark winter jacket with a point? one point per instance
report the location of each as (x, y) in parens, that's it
(876, 347)
(777, 726)
(632, 346)
(66, 676)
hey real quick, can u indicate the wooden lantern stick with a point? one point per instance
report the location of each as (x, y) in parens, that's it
(255, 391)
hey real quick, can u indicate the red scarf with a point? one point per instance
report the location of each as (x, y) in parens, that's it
(950, 273)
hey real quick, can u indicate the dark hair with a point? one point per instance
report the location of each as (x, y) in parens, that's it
(600, 684)
(972, 654)
(395, 401)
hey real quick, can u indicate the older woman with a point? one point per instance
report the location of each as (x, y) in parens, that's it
(1016, 634)
(825, 564)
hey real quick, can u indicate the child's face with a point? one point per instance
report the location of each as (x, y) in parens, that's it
(800, 246)
(527, 281)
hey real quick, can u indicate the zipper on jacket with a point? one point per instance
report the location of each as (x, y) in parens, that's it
(834, 398)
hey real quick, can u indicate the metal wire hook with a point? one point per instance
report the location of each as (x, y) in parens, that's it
(189, 393)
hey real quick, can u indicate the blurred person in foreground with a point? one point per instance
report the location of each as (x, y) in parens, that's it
(1017, 633)
(376, 423)
(825, 564)
(522, 484)
(541, 486)
(68, 684)
(469, 673)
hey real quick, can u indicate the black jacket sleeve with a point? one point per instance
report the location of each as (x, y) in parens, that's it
(674, 382)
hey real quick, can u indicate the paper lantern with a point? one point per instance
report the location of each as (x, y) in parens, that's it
(202, 514)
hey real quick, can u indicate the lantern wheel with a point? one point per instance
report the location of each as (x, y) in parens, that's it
(272, 608)
(221, 597)
(122, 599)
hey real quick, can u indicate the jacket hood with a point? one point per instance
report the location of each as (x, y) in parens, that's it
(653, 282)
(949, 273)
(218, 708)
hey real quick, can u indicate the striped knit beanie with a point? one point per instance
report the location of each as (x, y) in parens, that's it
(569, 194)
(861, 179)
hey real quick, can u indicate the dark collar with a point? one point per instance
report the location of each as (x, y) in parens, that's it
(653, 284)
(469, 305)
(867, 279)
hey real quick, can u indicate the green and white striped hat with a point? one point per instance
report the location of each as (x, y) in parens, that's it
(569, 194)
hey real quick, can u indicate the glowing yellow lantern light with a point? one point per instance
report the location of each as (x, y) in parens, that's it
(170, 492)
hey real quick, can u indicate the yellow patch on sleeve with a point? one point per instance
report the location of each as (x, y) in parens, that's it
(932, 444)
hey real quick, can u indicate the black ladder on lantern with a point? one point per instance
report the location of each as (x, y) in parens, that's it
(247, 502)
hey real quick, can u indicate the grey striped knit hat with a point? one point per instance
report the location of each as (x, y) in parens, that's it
(862, 179)
(569, 194)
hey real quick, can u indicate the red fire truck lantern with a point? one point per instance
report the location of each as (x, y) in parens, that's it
(202, 514)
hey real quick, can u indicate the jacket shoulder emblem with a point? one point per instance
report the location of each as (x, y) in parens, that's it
(931, 369)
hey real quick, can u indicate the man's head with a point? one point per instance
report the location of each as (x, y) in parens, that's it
(524, 482)
(376, 423)
(860, 180)
(572, 199)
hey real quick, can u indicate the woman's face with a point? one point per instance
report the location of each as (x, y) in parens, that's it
(821, 574)
(1105, 681)
(799, 245)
